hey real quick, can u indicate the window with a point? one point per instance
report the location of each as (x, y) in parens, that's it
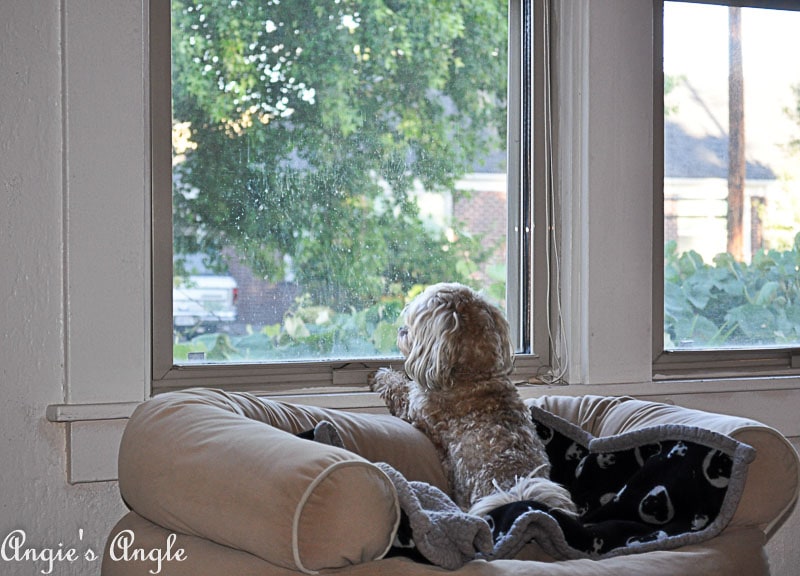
(731, 184)
(329, 160)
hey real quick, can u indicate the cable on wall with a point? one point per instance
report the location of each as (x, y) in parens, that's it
(556, 332)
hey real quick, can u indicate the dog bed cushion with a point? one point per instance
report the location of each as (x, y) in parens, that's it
(207, 464)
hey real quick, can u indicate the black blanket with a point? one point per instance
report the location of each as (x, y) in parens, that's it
(651, 489)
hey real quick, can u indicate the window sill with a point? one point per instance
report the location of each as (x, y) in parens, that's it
(90, 412)
(355, 398)
(94, 431)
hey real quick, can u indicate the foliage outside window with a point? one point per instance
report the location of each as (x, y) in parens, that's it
(326, 151)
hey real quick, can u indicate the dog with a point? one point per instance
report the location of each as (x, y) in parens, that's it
(457, 390)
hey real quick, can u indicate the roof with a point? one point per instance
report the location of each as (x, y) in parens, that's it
(703, 156)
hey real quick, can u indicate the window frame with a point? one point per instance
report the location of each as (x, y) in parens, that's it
(689, 364)
(106, 358)
(526, 243)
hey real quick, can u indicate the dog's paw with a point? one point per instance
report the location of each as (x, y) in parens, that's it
(377, 380)
(372, 381)
(326, 433)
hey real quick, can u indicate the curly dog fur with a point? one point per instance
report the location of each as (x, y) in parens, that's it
(457, 390)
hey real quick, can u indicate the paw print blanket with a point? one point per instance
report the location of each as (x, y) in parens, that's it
(651, 489)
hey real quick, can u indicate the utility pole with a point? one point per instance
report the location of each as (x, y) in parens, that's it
(736, 137)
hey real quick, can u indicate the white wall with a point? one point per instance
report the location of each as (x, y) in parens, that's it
(71, 146)
(74, 244)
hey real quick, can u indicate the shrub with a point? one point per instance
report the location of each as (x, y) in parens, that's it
(730, 304)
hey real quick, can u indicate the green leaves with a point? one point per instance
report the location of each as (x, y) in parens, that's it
(308, 331)
(313, 122)
(729, 303)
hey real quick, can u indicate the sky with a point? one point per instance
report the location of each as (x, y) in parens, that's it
(696, 47)
(770, 42)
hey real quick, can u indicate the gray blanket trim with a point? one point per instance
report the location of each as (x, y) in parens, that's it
(449, 537)
(539, 527)
(443, 533)
(562, 425)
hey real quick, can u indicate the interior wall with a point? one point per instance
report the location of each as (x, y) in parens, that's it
(35, 496)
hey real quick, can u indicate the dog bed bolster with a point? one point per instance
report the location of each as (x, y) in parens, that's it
(215, 465)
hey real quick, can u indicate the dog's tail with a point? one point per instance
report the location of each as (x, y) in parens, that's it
(530, 487)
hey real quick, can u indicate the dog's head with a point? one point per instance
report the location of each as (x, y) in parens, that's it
(451, 333)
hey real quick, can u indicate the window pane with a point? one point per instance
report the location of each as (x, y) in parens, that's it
(329, 160)
(731, 169)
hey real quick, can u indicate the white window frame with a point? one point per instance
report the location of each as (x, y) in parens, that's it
(683, 364)
(603, 114)
(525, 243)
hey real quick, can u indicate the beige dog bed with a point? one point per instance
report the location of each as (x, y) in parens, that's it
(224, 479)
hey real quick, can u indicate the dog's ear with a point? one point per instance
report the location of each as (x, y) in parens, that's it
(434, 343)
(443, 353)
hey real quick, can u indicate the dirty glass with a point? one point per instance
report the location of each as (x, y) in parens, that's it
(330, 159)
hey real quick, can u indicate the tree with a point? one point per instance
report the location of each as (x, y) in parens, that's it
(308, 135)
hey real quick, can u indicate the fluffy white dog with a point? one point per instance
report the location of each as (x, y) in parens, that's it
(456, 389)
